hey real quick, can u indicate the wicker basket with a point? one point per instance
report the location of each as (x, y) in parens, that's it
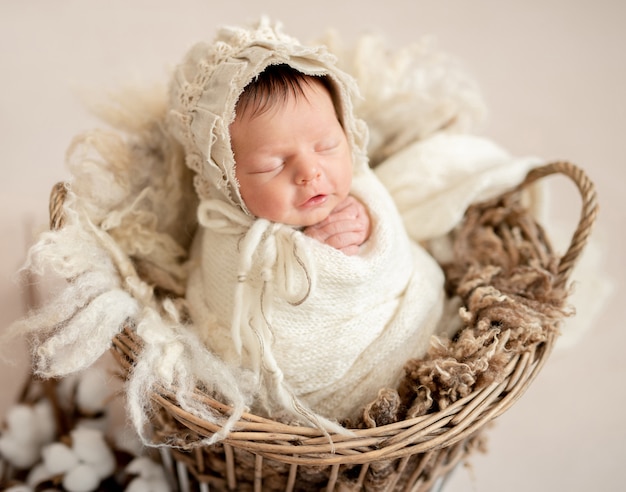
(411, 454)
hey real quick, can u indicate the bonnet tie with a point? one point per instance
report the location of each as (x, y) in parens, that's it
(270, 257)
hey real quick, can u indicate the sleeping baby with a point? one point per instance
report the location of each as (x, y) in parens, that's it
(301, 270)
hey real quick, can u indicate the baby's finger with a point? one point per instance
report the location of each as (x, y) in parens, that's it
(345, 239)
(351, 250)
(348, 214)
(348, 203)
(324, 231)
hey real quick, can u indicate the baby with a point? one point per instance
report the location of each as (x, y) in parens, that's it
(302, 277)
(293, 160)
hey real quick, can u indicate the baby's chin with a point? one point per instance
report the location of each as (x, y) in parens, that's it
(297, 222)
(311, 219)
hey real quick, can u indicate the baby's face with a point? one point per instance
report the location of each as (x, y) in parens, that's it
(293, 162)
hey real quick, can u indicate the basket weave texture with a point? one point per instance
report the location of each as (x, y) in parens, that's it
(508, 278)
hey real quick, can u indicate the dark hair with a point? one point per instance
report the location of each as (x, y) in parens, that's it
(277, 83)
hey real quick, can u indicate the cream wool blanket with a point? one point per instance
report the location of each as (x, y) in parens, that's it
(433, 181)
(327, 328)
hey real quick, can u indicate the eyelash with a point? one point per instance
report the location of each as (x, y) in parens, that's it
(272, 169)
(328, 147)
(323, 148)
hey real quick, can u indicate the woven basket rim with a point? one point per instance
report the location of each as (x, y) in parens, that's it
(301, 444)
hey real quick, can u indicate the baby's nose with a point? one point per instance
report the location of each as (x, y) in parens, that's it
(307, 169)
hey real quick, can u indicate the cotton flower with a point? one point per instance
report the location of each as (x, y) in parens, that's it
(88, 395)
(92, 391)
(19, 488)
(91, 448)
(20, 453)
(28, 429)
(38, 474)
(81, 479)
(46, 425)
(150, 476)
(59, 458)
(85, 464)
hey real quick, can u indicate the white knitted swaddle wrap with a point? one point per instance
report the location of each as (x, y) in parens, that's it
(336, 327)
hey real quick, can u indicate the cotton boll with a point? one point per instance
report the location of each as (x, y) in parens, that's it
(145, 467)
(19, 488)
(83, 478)
(146, 485)
(91, 391)
(21, 421)
(151, 477)
(91, 448)
(66, 388)
(139, 485)
(38, 474)
(139, 466)
(20, 454)
(27, 428)
(58, 458)
(46, 425)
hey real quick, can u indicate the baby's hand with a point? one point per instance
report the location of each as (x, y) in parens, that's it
(346, 228)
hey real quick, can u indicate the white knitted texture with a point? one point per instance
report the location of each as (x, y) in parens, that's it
(363, 317)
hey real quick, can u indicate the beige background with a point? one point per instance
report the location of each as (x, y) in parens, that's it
(554, 76)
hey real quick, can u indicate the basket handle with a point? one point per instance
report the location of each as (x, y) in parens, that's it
(588, 214)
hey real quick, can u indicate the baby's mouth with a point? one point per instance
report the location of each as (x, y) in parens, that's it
(315, 201)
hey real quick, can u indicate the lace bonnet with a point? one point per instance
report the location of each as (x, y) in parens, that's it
(207, 84)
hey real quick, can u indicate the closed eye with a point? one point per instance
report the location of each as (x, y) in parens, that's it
(327, 146)
(267, 168)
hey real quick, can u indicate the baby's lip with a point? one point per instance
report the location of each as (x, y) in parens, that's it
(315, 200)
